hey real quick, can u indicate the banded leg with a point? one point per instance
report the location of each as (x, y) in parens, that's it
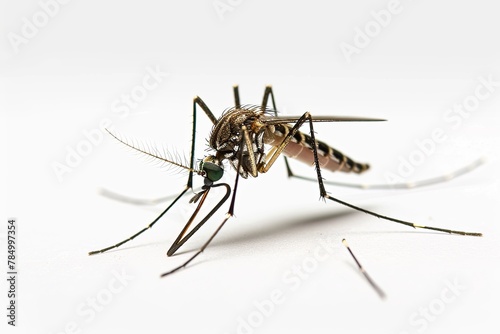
(324, 194)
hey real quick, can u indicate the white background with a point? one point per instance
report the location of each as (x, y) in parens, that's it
(65, 79)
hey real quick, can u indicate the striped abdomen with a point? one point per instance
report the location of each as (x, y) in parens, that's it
(300, 149)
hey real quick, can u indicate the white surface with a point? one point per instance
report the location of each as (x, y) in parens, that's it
(65, 80)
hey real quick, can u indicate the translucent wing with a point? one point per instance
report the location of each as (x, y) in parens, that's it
(270, 120)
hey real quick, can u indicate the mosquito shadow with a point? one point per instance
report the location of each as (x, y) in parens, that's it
(276, 227)
(124, 248)
(279, 226)
(190, 265)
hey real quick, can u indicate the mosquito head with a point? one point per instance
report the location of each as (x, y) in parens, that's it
(212, 168)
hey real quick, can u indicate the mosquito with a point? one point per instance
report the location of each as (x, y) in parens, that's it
(251, 138)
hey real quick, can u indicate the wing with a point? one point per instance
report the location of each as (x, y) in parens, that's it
(271, 120)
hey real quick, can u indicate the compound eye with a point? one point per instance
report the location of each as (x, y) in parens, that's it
(213, 171)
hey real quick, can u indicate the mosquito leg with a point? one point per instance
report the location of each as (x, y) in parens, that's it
(269, 92)
(275, 153)
(175, 246)
(198, 101)
(181, 239)
(476, 234)
(228, 215)
(177, 243)
(144, 229)
(363, 271)
(236, 94)
(324, 194)
(250, 151)
(313, 146)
